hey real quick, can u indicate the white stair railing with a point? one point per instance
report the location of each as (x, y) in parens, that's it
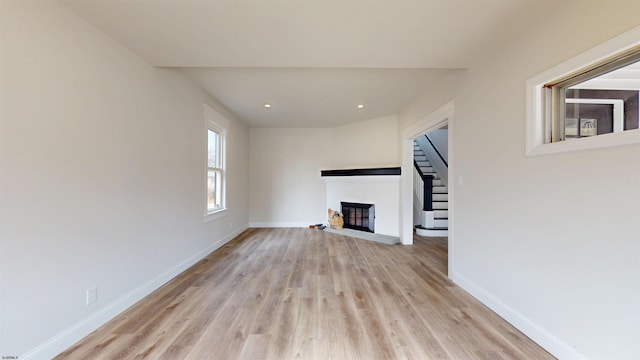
(418, 188)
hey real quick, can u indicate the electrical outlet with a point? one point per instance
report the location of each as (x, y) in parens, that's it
(92, 295)
(299, 215)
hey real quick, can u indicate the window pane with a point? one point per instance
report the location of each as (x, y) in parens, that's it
(212, 146)
(213, 193)
(607, 103)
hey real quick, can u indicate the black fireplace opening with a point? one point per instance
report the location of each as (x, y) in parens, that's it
(358, 216)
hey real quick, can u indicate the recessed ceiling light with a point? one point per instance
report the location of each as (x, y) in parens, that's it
(360, 106)
(267, 106)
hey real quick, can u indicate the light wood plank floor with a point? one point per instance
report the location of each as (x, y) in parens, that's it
(307, 294)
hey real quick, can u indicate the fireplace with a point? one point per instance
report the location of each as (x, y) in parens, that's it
(358, 216)
(379, 186)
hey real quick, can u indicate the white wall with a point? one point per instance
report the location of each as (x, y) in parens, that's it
(103, 179)
(440, 138)
(365, 144)
(442, 91)
(549, 242)
(286, 187)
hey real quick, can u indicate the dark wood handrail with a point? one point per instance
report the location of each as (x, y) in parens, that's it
(415, 164)
(437, 152)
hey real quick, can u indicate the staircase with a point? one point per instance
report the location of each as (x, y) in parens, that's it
(436, 222)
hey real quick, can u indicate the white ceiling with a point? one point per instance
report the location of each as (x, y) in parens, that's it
(314, 60)
(313, 97)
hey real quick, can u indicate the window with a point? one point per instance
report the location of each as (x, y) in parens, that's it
(216, 127)
(596, 101)
(214, 170)
(587, 102)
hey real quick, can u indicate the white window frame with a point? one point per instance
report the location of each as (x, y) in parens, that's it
(538, 141)
(216, 122)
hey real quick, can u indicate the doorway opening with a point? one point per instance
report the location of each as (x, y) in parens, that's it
(431, 183)
(438, 119)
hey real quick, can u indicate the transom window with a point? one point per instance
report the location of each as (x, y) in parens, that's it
(587, 102)
(597, 101)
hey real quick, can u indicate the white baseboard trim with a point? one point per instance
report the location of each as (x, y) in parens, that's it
(282, 224)
(75, 333)
(544, 338)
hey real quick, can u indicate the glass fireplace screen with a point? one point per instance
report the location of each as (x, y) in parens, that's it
(358, 216)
